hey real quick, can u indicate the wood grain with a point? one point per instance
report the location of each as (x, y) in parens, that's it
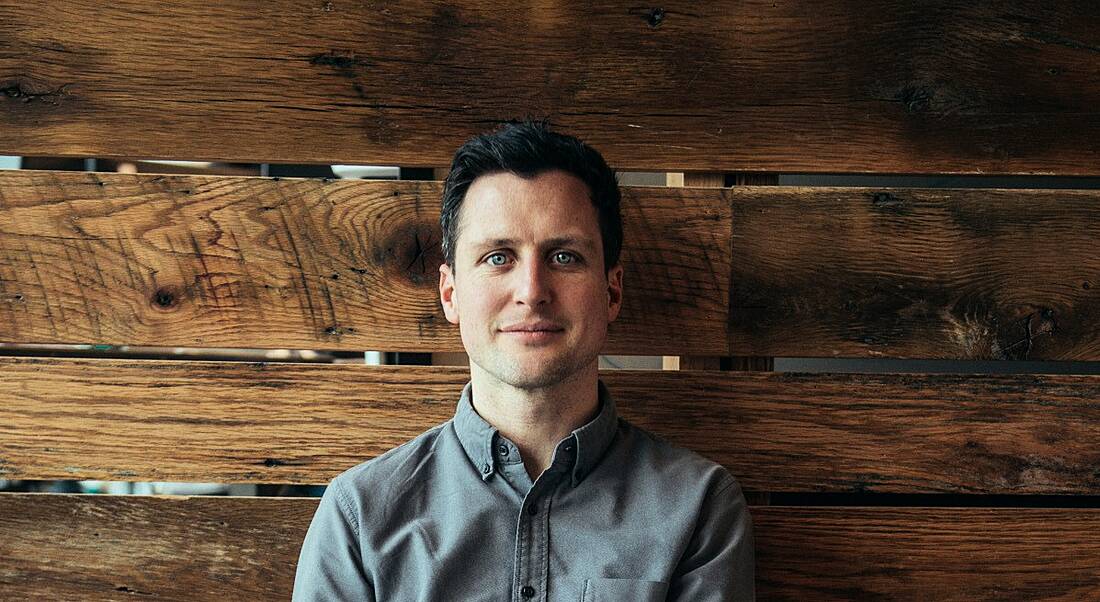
(313, 264)
(946, 554)
(110, 547)
(170, 548)
(304, 263)
(915, 273)
(757, 86)
(293, 423)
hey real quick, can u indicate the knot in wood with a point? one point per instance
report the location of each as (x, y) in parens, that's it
(656, 17)
(164, 298)
(412, 251)
(915, 99)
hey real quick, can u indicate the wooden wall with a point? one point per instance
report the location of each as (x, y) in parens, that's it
(729, 92)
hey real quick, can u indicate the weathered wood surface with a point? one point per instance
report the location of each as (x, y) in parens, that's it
(175, 548)
(922, 554)
(295, 263)
(304, 263)
(928, 87)
(915, 273)
(293, 423)
(113, 547)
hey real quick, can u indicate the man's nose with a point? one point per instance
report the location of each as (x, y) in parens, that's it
(533, 285)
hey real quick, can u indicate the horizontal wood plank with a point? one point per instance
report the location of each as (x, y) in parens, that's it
(304, 263)
(301, 263)
(718, 86)
(113, 547)
(293, 423)
(922, 554)
(94, 547)
(915, 273)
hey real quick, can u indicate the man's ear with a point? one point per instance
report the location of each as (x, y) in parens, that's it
(447, 292)
(614, 292)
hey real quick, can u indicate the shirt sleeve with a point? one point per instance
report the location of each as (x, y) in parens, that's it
(330, 565)
(719, 563)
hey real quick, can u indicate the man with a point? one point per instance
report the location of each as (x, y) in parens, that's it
(536, 489)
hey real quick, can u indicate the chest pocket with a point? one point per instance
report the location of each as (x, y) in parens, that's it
(618, 590)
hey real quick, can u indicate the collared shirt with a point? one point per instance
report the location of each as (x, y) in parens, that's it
(620, 514)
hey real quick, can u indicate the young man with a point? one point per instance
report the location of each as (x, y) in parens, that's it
(536, 489)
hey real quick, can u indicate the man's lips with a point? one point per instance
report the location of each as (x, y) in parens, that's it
(538, 331)
(533, 327)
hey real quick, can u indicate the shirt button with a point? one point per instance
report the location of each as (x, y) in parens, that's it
(503, 449)
(532, 509)
(527, 591)
(485, 468)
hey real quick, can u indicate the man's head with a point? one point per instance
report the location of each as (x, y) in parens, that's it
(527, 149)
(526, 278)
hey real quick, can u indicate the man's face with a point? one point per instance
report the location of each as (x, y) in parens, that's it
(529, 290)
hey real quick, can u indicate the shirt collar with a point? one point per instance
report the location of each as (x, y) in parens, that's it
(592, 440)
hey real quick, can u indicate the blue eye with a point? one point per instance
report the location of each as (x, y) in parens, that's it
(496, 263)
(569, 257)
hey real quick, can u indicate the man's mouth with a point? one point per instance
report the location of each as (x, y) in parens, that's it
(533, 331)
(540, 326)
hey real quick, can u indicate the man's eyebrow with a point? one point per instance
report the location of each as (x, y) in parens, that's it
(560, 241)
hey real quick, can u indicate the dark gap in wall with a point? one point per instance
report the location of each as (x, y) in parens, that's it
(914, 181)
(93, 487)
(877, 366)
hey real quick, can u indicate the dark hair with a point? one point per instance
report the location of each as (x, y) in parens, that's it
(528, 148)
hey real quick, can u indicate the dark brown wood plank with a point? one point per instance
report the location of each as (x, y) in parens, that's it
(915, 273)
(212, 548)
(940, 87)
(293, 423)
(304, 264)
(959, 554)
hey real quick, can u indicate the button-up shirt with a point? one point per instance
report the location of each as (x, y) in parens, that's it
(620, 514)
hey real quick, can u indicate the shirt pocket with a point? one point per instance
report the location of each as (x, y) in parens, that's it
(618, 590)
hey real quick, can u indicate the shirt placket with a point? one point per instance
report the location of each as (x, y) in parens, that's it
(532, 552)
(531, 579)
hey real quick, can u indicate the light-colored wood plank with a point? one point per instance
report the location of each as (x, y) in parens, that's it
(303, 263)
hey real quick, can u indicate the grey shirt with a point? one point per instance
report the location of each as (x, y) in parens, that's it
(620, 514)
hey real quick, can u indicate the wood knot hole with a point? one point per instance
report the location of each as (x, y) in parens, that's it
(656, 17)
(164, 298)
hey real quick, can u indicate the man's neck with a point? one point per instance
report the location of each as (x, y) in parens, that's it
(536, 420)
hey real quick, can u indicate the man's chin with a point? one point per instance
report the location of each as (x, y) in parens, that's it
(533, 375)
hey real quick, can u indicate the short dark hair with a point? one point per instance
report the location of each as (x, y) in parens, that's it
(527, 149)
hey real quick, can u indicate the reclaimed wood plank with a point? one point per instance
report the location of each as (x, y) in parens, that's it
(122, 547)
(915, 273)
(304, 264)
(951, 554)
(105, 547)
(777, 432)
(312, 264)
(753, 86)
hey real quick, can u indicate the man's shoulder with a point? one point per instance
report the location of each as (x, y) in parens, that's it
(396, 464)
(671, 460)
